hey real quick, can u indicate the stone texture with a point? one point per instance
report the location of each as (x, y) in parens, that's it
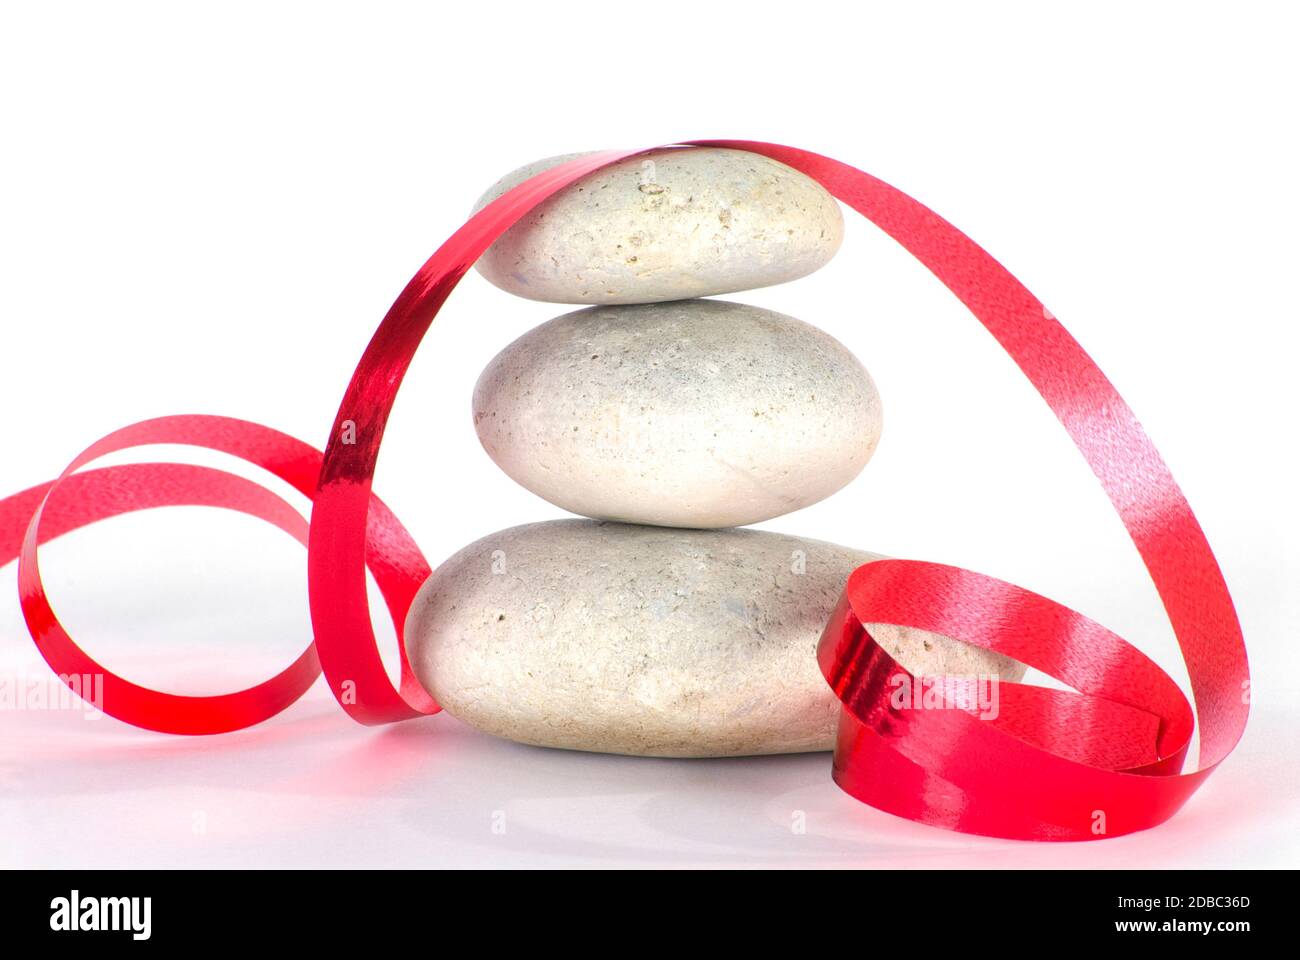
(648, 641)
(694, 413)
(668, 225)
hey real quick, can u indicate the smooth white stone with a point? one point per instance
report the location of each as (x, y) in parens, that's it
(649, 641)
(692, 413)
(667, 225)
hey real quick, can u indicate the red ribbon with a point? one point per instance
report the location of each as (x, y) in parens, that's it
(1052, 765)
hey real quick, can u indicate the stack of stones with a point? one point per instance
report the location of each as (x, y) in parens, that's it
(656, 627)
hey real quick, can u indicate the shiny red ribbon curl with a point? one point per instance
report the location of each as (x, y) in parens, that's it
(1102, 759)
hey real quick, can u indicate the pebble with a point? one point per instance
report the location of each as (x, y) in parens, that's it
(693, 413)
(649, 641)
(668, 225)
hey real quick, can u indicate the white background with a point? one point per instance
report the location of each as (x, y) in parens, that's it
(209, 210)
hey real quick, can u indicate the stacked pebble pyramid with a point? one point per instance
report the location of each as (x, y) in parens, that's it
(656, 628)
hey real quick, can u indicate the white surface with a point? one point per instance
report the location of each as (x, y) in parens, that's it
(210, 212)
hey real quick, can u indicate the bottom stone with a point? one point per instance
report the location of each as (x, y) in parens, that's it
(650, 641)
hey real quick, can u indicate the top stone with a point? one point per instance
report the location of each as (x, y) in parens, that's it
(668, 225)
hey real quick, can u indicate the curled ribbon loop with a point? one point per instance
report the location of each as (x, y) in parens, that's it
(75, 500)
(1103, 760)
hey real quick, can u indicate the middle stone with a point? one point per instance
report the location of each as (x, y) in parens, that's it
(689, 413)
